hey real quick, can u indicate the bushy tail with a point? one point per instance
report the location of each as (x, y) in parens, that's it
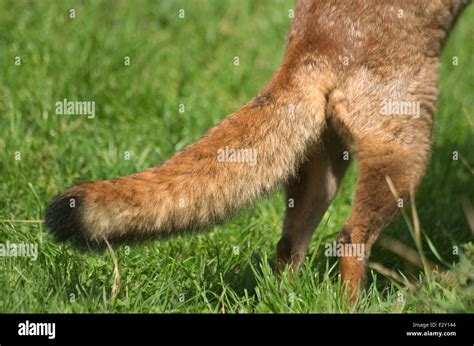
(247, 154)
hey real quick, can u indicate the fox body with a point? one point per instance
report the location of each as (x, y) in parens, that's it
(358, 80)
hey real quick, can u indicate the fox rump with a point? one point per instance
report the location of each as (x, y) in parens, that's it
(344, 60)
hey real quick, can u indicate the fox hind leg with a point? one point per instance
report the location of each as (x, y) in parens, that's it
(395, 151)
(309, 196)
(375, 207)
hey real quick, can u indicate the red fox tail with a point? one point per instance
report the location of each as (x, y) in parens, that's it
(246, 155)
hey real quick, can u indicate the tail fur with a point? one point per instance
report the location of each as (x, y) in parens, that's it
(196, 187)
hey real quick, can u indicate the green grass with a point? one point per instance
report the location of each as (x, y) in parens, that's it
(190, 61)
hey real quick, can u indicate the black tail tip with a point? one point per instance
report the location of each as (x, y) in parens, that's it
(62, 217)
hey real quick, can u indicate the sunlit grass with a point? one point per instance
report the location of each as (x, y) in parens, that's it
(190, 61)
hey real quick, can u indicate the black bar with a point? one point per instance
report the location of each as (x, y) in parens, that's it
(316, 329)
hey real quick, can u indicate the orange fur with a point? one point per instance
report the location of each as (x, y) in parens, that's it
(343, 60)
